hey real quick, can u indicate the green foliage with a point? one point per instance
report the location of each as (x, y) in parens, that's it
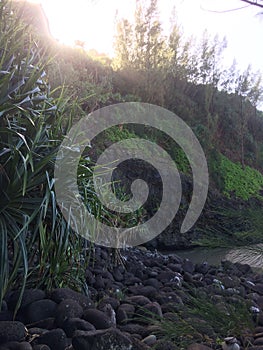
(180, 159)
(36, 242)
(84, 78)
(242, 182)
(58, 251)
(25, 147)
(116, 134)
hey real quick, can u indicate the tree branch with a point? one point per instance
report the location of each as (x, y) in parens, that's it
(254, 2)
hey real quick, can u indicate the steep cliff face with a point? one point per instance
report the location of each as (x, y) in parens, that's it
(34, 15)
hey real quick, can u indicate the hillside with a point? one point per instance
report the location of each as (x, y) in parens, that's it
(219, 104)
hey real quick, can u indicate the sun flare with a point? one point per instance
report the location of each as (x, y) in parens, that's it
(89, 22)
(92, 22)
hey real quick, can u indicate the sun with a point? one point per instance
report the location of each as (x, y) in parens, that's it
(88, 21)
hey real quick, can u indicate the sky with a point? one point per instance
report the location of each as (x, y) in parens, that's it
(92, 21)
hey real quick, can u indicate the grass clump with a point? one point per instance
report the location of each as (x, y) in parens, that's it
(200, 320)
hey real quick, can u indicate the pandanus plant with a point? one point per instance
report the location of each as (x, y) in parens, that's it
(35, 240)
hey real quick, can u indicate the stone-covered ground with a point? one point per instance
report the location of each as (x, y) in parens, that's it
(149, 301)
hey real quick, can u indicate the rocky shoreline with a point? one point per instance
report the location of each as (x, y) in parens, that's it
(131, 305)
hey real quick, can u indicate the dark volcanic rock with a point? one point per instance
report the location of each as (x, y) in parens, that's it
(29, 296)
(90, 279)
(260, 302)
(6, 315)
(117, 274)
(149, 310)
(243, 268)
(115, 303)
(133, 328)
(97, 318)
(68, 308)
(18, 346)
(202, 268)
(165, 345)
(108, 339)
(258, 288)
(188, 277)
(188, 266)
(147, 291)
(61, 294)
(56, 339)
(48, 323)
(41, 347)
(198, 347)
(152, 282)
(175, 267)
(125, 313)
(73, 324)
(99, 283)
(108, 310)
(258, 341)
(139, 300)
(166, 276)
(11, 331)
(260, 319)
(139, 345)
(40, 310)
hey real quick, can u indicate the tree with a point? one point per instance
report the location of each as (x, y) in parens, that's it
(140, 47)
(209, 59)
(180, 57)
(228, 78)
(123, 45)
(208, 72)
(242, 90)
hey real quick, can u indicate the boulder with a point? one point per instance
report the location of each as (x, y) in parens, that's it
(97, 318)
(56, 339)
(68, 308)
(111, 338)
(73, 324)
(11, 331)
(61, 294)
(40, 310)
